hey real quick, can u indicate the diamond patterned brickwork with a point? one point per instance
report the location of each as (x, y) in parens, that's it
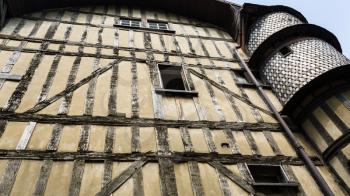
(310, 58)
(268, 25)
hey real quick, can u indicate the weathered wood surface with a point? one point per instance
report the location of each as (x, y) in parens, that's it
(77, 175)
(115, 142)
(43, 178)
(195, 178)
(70, 43)
(124, 176)
(42, 104)
(167, 175)
(9, 177)
(229, 92)
(142, 122)
(10, 77)
(236, 179)
(151, 156)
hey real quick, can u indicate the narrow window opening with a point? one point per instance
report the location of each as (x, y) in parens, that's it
(158, 25)
(285, 51)
(240, 77)
(130, 22)
(225, 145)
(242, 80)
(271, 180)
(172, 77)
(174, 82)
(267, 174)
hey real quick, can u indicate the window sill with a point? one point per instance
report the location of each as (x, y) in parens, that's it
(251, 85)
(182, 93)
(276, 188)
(284, 185)
(145, 28)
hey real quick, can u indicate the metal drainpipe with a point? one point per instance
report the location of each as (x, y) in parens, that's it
(298, 148)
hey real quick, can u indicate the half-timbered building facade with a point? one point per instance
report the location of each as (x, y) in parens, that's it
(157, 98)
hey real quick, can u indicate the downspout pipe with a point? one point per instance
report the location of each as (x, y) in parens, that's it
(293, 140)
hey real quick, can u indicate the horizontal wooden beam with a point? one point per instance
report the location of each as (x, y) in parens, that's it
(100, 45)
(141, 122)
(82, 54)
(153, 157)
(198, 24)
(125, 28)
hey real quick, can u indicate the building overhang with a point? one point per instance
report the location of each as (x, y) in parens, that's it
(251, 12)
(231, 17)
(328, 83)
(218, 12)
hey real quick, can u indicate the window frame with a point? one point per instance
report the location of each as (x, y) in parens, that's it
(143, 25)
(120, 23)
(284, 55)
(240, 74)
(149, 22)
(284, 175)
(248, 84)
(187, 89)
(287, 184)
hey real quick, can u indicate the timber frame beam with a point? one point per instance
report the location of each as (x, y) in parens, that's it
(222, 88)
(176, 157)
(233, 177)
(122, 178)
(53, 52)
(141, 122)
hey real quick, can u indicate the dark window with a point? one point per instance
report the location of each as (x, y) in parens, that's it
(267, 174)
(225, 145)
(174, 82)
(285, 51)
(271, 180)
(242, 80)
(240, 77)
(172, 77)
(130, 22)
(158, 25)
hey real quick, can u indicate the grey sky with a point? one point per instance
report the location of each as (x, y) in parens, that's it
(332, 15)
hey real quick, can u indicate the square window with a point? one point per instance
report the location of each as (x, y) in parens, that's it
(171, 77)
(174, 82)
(267, 174)
(158, 25)
(153, 26)
(130, 22)
(240, 77)
(285, 51)
(125, 22)
(271, 180)
(162, 26)
(242, 80)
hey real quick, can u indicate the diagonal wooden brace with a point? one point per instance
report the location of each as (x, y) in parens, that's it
(236, 179)
(224, 89)
(43, 104)
(122, 178)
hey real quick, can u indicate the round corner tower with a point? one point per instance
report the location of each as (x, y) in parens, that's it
(306, 69)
